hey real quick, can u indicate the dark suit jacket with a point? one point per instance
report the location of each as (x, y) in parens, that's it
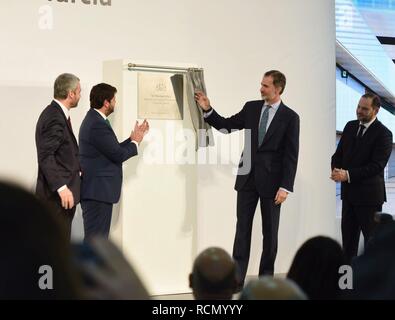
(365, 162)
(57, 153)
(276, 160)
(101, 157)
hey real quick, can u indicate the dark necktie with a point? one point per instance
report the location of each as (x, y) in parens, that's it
(108, 123)
(69, 123)
(263, 125)
(360, 132)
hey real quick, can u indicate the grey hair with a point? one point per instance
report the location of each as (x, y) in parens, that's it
(65, 83)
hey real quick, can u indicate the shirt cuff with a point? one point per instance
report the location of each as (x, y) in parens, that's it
(285, 190)
(348, 177)
(62, 188)
(136, 143)
(207, 114)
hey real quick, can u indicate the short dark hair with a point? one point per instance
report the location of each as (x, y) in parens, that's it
(100, 93)
(376, 103)
(315, 268)
(279, 79)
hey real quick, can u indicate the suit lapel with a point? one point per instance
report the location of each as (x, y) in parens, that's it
(257, 118)
(98, 117)
(275, 124)
(358, 144)
(65, 120)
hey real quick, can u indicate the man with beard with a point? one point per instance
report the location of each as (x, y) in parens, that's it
(271, 155)
(101, 157)
(358, 163)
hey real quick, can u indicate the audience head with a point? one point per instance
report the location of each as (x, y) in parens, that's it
(315, 268)
(213, 275)
(374, 270)
(31, 241)
(269, 288)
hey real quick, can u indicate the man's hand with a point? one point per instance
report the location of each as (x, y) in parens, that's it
(139, 131)
(202, 100)
(67, 199)
(281, 196)
(339, 175)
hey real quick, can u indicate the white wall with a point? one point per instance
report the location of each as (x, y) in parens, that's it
(235, 41)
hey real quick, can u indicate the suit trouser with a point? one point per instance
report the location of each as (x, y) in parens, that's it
(247, 200)
(354, 219)
(66, 215)
(97, 218)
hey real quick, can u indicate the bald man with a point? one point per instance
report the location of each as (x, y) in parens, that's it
(269, 288)
(213, 276)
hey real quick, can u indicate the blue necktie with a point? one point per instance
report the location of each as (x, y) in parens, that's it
(263, 125)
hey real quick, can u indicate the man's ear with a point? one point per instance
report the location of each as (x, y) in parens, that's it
(279, 89)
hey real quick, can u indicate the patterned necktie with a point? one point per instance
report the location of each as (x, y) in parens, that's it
(360, 132)
(263, 125)
(108, 123)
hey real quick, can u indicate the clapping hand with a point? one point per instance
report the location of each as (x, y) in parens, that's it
(139, 131)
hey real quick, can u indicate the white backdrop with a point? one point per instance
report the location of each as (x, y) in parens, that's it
(235, 41)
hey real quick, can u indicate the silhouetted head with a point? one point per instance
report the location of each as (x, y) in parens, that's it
(315, 268)
(213, 275)
(374, 270)
(269, 288)
(34, 251)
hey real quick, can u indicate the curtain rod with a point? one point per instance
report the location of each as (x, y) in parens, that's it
(132, 66)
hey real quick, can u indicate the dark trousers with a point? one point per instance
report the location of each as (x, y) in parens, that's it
(354, 220)
(97, 218)
(247, 200)
(66, 216)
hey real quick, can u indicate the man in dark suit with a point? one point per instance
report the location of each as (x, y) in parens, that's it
(270, 156)
(101, 158)
(58, 181)
(358, 163)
